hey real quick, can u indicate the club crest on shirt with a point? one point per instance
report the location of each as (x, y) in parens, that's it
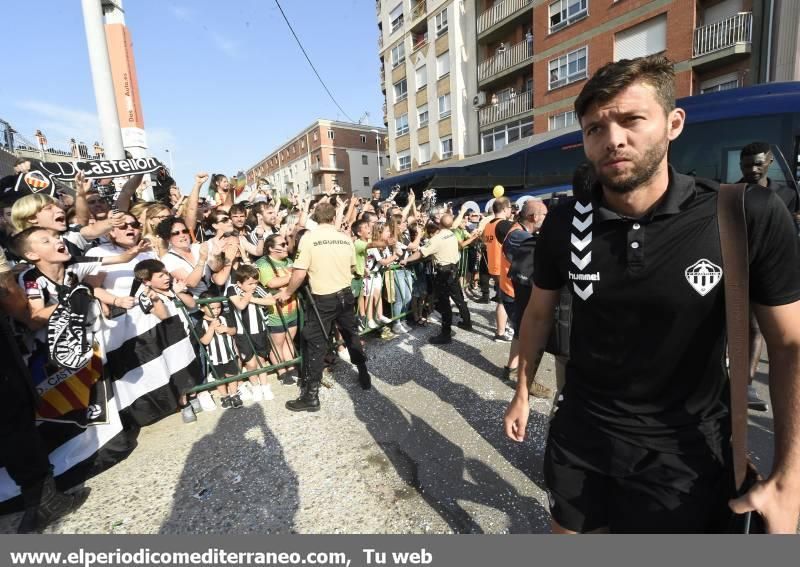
(703, 276)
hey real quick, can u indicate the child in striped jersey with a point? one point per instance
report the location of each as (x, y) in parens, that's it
(216, 335)
(252, 334)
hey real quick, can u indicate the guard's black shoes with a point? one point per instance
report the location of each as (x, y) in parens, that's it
(308, 400)
(303, 403)
(440, 340)
(364, 378)
(466, 325)
(754, 402)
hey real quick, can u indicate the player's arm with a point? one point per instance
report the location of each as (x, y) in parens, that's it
(778, 497)
(534, 331)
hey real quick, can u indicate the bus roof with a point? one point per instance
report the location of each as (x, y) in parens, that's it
(757, 100)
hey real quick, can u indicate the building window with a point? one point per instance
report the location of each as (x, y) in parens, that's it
(400, 90)
(447, 147)
(366, 182)
(305, 165)
(563, 120)
(566, 12)
(643, 39)
(363, 138)
(401, 125)
(568, 68)
(396, 17)
(398, 54)
(333, 160)
(424, 153)
(721, 83)
(441, 22)
(443, 65)
(498, 137)
(364, 159)
(421, 77)
(422, 115)
(331, 135)
(316, 136)
(444, 106)
(403, 161)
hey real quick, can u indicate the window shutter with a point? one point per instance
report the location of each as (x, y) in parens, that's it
(645, 39)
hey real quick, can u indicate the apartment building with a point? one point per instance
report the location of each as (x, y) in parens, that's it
(427, 70)
(530, 58)
(325, 155)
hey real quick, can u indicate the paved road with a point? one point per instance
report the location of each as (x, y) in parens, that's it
(422, 452)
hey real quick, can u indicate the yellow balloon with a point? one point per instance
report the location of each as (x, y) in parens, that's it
(498, 191)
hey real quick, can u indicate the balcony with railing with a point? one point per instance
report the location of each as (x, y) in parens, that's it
(502, 11)
(509, 59)
(730, 36)
(319, 167)
(419, 40)
(419, 10)
(519, 104)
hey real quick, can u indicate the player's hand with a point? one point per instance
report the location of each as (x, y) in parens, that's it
(178, 286)
(282, 296)
(203, 254)
(516, 418)
(776, 501)
(201, 177)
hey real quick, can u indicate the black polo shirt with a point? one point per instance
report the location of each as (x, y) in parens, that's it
(647, 348)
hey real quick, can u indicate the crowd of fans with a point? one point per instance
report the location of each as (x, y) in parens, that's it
(217, 262)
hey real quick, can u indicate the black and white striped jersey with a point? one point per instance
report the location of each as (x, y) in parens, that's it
(221, 349)
(251, 320)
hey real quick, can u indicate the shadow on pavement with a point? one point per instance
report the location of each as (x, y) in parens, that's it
(235, 481)
(437, 468)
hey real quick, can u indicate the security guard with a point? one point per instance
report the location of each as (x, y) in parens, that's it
(328, 257)
(443, 247)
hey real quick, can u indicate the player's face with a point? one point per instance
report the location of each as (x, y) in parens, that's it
(754, 168)
(98, 206)
(626, 138)
(214, 309)
(238, 220)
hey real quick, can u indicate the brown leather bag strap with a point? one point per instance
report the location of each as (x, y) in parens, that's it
(736, 274)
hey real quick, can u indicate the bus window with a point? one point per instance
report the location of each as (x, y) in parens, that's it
(710, 149)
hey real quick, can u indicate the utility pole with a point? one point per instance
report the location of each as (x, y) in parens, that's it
(101, 79)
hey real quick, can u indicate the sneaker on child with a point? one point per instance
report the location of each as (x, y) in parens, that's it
(266, 392)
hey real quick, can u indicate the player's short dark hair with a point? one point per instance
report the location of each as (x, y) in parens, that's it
(754, 148)
(500, 204)
(613, 78)
(358, 224)
(19, 243)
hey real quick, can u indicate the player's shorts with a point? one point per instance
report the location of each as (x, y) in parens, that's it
(598, 482)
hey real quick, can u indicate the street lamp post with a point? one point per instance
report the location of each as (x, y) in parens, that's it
(378, 150)
(171, 164)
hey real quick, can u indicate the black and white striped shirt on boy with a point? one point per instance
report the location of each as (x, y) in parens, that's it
(249, 320)
(220, 350)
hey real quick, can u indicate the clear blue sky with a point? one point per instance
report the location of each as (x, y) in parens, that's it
(222, 82)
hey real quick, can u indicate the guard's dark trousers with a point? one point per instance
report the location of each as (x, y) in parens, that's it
(446, 285)
(336, 307)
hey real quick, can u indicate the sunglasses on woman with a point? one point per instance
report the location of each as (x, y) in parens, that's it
(182, 231)
(136, 225)
(224, 219)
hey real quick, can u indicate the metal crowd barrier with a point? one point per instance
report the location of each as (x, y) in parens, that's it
(297, 359)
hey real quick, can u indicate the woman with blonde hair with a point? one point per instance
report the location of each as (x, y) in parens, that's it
(154, 215)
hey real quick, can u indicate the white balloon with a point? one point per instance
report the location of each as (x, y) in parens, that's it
(471, 206)
(521, 200)
(489, 205)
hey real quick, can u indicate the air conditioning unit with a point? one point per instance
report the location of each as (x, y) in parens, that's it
(479, 99)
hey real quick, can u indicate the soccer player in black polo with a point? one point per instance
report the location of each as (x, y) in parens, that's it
(640, 441)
